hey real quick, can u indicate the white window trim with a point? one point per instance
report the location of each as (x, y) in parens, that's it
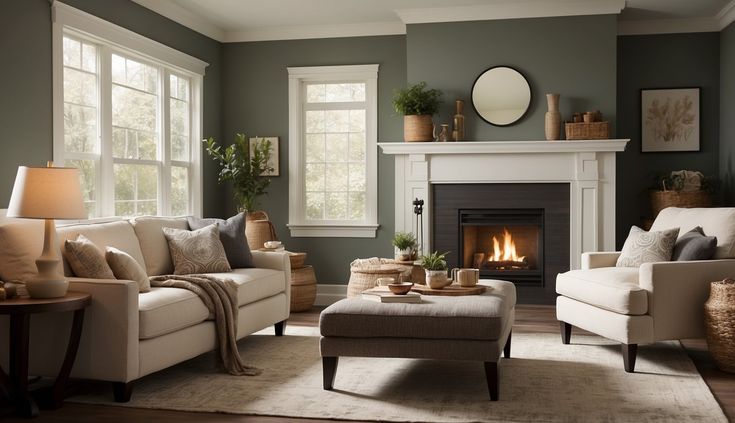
(296, 189)
(94, 28)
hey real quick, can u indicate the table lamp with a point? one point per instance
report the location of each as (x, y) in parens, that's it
(47, 193)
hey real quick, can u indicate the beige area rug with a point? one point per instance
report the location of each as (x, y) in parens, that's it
(545, 381)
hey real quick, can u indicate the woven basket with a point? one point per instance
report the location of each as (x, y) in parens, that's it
(303, 288)
(365, 278)
(719, 320)
(297, 260)
(417, 128)
(259, 229)
(663, 199)
(587, 131)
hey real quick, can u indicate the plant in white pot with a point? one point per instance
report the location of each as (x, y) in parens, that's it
(406, 244)
(435, 266)
(417, 104)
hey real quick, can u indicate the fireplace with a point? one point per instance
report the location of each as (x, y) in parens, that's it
(504, 244)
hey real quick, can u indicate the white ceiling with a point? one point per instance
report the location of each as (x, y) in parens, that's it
(255, 20)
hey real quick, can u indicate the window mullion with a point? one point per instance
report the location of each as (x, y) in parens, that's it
(164, 189)
(105, 168)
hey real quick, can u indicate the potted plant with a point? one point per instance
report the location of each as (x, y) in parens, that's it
(435, 266)
(243, 169)
(684, 188)
(417, 104)
(405, 243)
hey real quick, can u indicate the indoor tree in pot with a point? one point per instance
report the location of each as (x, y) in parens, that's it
(417, 104)
(435, 266)
(406, 244)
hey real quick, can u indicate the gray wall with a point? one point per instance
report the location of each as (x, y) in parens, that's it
(573, 56)
(26, 104)
(663, 61)
(255, 102)
(727, 114)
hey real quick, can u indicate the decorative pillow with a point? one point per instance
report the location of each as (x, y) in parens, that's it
(647, 247)
(124, 266)
(232, 235)
(86, 260)
(198, 251)
(694, 245)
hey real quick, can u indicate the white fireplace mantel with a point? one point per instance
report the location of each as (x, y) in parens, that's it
(588, 166)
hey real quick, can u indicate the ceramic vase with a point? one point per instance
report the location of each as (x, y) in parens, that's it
(552, 126)
(458, 127)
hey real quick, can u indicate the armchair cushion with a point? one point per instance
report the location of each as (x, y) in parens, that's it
(717, 221)
(611, 288)
(647, 247)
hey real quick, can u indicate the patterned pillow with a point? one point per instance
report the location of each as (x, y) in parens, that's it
(647, 247)
(198, 251)
(85, 259)
(125, 267)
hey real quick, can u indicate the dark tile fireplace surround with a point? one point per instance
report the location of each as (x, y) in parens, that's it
(512, 231)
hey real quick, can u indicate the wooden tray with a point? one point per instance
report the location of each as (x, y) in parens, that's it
(453, 290)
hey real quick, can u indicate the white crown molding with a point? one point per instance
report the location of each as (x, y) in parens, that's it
(302, 32)
(514, 10)
(726, 16)
(668, 26)
(184, 17)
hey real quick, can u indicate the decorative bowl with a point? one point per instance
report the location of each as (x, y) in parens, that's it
(400, 288)
(272, 244)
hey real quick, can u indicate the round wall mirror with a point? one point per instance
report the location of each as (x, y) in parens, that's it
(501, 95)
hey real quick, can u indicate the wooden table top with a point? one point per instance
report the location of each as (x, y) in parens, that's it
(26, 305)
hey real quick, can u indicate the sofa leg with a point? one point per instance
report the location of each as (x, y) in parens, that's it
(491, 373)
(629, 353)
(280, 326)
(506, 348)
(122, 391)
(566, 332)
(329, 371)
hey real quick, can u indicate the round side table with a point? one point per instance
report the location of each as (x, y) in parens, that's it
(20, 311)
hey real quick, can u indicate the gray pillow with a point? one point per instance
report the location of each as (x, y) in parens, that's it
(647, 247)
(232, 235)
(694, 245)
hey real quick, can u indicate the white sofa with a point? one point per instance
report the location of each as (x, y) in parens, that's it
(656, 302)
(127, 334)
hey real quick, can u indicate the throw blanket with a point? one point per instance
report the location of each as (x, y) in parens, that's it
(220, 297)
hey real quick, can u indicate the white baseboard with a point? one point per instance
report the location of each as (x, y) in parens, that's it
(329, 294)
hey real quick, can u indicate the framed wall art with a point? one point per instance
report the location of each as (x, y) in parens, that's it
(670, 119)
(273, 160)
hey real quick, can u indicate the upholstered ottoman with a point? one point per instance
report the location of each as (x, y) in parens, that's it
(474, 327)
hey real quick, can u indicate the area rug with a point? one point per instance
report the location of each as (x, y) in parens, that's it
(545, 381)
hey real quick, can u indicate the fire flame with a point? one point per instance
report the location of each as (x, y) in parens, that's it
(508, 252)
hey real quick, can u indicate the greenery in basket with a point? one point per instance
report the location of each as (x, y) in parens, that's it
(669, 182)
(404, 241)
(242, 169)
(434, 261)
(417, 100)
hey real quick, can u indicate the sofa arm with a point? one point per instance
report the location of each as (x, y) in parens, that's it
(599, 259)
(677, 291)
(276, 260)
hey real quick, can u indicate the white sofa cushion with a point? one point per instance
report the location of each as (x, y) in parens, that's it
(612, 288)
(254, 283)
(717, 221)
(153, 244)
(166, 310)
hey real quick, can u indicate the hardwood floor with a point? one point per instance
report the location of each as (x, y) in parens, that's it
(529, 318)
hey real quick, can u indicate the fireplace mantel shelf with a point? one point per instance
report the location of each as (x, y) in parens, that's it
(503, 147)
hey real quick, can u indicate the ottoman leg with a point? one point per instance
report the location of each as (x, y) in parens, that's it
(491, 373)
(329, 371)
(506, 348)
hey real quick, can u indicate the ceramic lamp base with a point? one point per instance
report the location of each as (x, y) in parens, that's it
(44, 288)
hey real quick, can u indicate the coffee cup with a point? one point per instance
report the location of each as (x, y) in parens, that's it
(384, 281)
(466, 277)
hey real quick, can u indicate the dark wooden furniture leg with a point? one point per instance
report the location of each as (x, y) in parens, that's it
(329, 371)
(59, 388)
(506, 348)
(122, 391)
(629, 354)
(566, 332)
(19, 339)
(280, 326)
(491, 373)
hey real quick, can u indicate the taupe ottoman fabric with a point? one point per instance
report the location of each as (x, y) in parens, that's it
(475, 327)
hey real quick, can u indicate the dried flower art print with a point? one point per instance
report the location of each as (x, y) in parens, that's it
(670, 120)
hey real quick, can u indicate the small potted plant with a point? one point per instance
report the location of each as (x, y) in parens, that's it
(435, 266)
(417, 104)
(405, 243)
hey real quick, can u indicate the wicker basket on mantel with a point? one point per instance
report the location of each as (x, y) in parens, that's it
(719, 319)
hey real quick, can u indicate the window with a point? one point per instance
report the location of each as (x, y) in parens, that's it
(127, 113)
(333, 151)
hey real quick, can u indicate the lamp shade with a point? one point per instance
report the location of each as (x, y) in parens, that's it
(47, 193)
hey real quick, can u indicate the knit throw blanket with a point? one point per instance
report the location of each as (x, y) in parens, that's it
(220, 298)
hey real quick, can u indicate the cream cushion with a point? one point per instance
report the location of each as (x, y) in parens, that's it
(125, 267)
(166, 310)
(611, 288)
(153, 244)
(86, 259)
(717, 221)
(21, 242)
(255, 283)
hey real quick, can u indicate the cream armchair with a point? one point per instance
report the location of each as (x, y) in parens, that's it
(656, 302)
